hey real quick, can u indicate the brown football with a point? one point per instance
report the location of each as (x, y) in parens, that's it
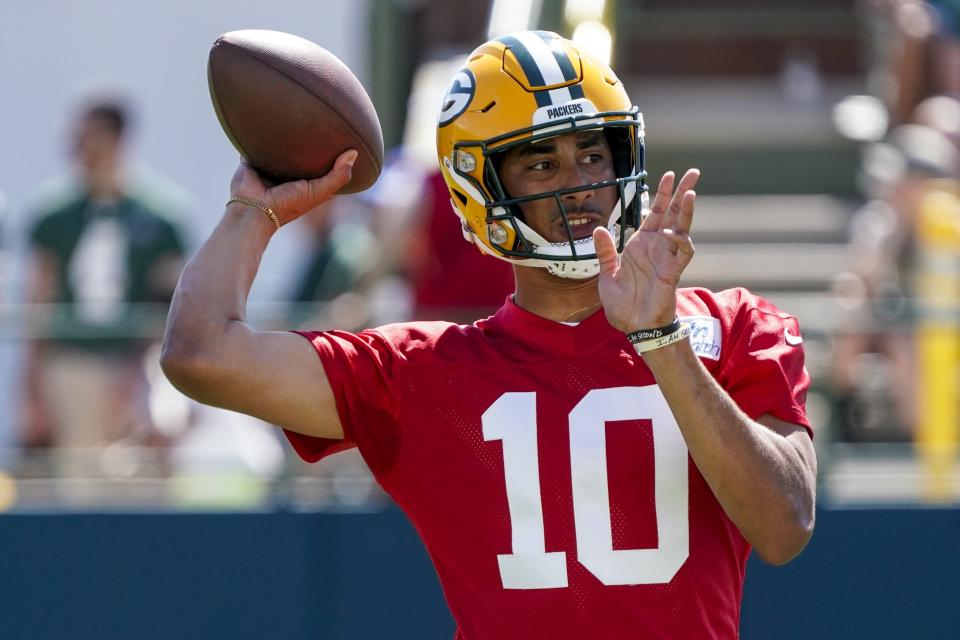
(290, 107)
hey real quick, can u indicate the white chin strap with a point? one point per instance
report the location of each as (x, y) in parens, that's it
(573, 269)
(577, 269)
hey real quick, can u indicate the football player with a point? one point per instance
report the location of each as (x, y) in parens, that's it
(598, 458)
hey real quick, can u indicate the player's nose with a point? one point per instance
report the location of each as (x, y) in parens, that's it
(573, 177)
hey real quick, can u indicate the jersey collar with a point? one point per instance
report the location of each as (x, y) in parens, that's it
(555, 336)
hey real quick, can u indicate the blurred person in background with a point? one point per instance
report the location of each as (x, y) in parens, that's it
(104, 248)
(415, 273)
(876, 398)
(413, 220)
(917, 50)
(945, 49)
(342, 257)
(439, 269)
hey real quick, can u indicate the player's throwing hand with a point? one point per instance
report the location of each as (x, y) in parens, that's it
(639, 287)
(290, 200)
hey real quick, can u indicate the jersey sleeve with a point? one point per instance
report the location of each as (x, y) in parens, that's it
(764, 370)
(362, 370)
(170, 240)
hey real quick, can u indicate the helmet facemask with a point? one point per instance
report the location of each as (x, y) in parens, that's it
(571, 258)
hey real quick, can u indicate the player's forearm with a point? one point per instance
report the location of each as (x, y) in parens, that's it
(211, 295)
(759, 477)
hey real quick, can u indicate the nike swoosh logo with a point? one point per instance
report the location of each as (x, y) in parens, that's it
(792, 340)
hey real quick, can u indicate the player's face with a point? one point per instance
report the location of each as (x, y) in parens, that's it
(95, 143)
(569, 160)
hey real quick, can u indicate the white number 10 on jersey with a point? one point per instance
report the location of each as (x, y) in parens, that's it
(513, 419)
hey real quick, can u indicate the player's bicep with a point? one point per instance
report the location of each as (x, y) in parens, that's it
(274, 376)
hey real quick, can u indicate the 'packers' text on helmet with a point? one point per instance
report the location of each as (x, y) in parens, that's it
(516, 90)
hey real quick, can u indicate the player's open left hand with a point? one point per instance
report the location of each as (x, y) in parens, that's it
(290, 200)
(639, 287)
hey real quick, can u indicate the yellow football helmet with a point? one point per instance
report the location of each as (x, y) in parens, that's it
(517, 89)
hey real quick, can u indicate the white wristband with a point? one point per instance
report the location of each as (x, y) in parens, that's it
(656, 343)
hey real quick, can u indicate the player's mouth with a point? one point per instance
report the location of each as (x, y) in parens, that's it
(581, 225)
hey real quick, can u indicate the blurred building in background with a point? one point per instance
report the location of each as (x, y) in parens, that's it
(826, 131)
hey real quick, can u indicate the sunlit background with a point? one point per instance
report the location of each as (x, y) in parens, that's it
(828, 134)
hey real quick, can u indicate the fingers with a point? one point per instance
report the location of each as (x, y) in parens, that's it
(684, 220)
(687, 183)
(679, 232)
(654, 219)
(672, 210)
(247, 182)
(681, 242)
(606, 251)
(320, 189)
(291, 200)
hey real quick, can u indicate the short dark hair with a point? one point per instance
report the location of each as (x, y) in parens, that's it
(114, 113)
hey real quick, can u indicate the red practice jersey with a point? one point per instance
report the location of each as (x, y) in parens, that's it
(544, 470)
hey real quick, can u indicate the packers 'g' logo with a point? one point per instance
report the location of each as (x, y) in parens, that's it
(458, 96)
